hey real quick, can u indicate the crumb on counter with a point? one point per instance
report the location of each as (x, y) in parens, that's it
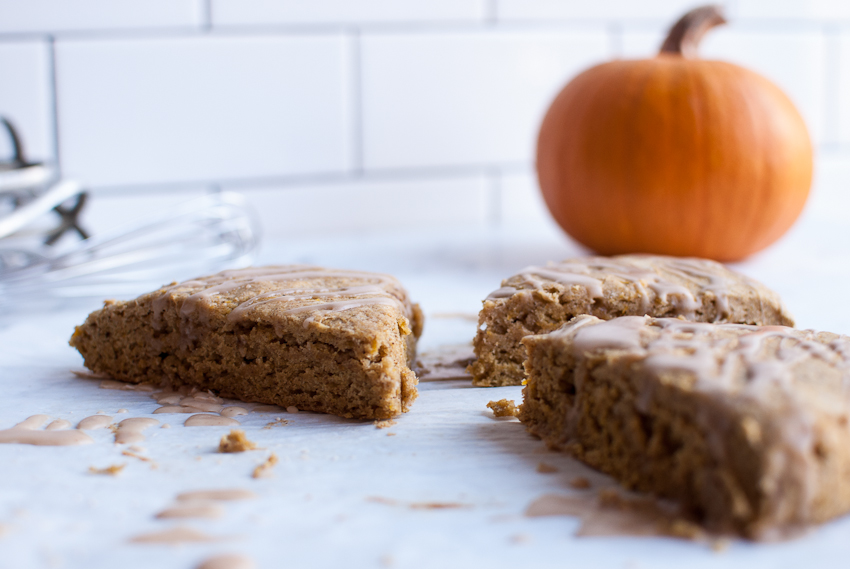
(113, 470)
(264, 470)
(580, 483)
(545, 468)
(276, 423)
(235, 441)
(503, 408)
(385, 424)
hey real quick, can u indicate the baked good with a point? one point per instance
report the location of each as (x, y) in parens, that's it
(540, 299)
(331, 341)
(745, 426)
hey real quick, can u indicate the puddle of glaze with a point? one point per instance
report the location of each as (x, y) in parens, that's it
(120, 385)
(176, 535)
(130, 430)
(44, 438)
(611, 514)
(175, 409)
(58, 425)
(445, 362)
(168, 398)
(86, 374)
(233, 411)
(32, 423)
(201, 405)
(225, 495)
(210, 421)
(94, 422)
(192, 510)
(228, 561)
(207, 396)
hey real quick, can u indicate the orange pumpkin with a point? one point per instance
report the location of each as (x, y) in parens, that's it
(674, 155)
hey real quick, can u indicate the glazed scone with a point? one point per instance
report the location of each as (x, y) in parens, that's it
(745, 426)
(331, 341)
(540, 299)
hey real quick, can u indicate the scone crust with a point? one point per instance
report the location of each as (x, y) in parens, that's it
(746, 427)
(540, 299)
(339, 342)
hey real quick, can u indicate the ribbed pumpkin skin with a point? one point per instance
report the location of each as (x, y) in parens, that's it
(674, 156)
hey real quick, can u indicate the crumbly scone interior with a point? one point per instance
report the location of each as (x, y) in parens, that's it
(540, 299)
(758, 448)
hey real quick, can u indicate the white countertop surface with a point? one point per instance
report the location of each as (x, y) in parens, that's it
(319, 508)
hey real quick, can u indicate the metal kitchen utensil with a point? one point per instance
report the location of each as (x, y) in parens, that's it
(28, 190)
(203, 235)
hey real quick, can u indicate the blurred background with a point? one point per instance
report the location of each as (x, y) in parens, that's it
(354, 116)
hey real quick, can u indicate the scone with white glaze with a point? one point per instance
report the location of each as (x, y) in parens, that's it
(747, 427)
(540, 299)
(324, 340)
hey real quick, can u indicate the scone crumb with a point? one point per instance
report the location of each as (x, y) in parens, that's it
(235, 441)
(264, 470)
(385, 424)
(580, 483)
(685, 529)
(503, 408)
(391, 434)
(719, 545)
(134, 455)
(545, 468)
(276, 423)
(113, 470)
(292, 409)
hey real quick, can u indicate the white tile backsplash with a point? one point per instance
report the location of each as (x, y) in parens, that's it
(25, 98)
(375, 113)
(107, 212)
(521, 200)
(202, 108)
(53, 16)
(463, 98)
(795, 61)
(610, 9)
(823, 10)
(266, 12)
(368, 205)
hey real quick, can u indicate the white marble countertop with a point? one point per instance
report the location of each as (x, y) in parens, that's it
(341, 495)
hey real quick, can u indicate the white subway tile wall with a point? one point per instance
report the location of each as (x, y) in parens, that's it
(51, 16)
(26, 97)
(350, 116)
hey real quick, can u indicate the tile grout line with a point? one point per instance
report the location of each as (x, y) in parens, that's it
(206, 15)
(615, 34)
(54, 103)
(831, 85)
(355, 102)
(494, 205)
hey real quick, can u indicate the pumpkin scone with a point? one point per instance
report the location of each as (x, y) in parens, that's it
(540, 299)
(746, 427)
(331, 341)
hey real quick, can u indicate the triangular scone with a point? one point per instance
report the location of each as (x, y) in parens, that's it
(540, 299)
(747, 427)
(325, 340)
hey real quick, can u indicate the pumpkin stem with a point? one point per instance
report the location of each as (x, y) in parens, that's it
(684, 37)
